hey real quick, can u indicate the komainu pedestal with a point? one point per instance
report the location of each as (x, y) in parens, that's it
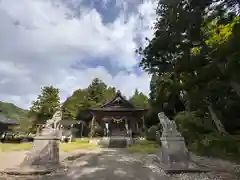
(174, 156)
(44, 156)
(45, 151)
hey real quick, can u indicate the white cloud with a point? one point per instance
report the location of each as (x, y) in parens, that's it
(38, 46)
(125, 82)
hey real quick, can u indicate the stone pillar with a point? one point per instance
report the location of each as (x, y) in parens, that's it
(144, 129)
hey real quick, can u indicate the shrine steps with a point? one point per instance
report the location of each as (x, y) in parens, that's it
(114, 142)
(117, 142)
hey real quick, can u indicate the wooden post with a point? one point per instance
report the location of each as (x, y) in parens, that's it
(93, 120)
(144, 126)
(81, 130)
(137, 127)
(38, 129)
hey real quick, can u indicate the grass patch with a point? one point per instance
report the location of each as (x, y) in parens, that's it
(144, 146)
(77, 144)
(64, 147)
(6, 147)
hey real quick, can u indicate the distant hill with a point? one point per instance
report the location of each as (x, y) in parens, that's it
(11, 111)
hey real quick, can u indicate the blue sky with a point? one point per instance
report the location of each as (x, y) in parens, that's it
(51, 42)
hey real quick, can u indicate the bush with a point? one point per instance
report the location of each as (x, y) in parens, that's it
(203, 139)
(17, 140)
(216, 145)
(144, 146)
(97, 130)
(151, 133)
(192, 126)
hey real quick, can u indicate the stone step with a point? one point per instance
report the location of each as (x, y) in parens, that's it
(104, 142)
(117, 142)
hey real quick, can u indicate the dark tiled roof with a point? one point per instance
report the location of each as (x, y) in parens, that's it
(118, 102)
(4, 120)
(8, 121)
(70, 122)
(119, 109)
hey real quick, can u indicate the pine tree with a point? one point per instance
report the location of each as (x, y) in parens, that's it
(46, 104)
(96, 92)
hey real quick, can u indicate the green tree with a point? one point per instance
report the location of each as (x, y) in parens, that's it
(109, 93)
(95, 92)
(26, 125)
(78, 101)
(153, 87)
(82, 99)
(139, 99)
(46, 104)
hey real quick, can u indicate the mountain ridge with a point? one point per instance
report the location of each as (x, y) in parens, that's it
(12, 111)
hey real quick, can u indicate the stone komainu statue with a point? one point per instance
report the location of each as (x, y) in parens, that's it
(168, 125)
(54, 122)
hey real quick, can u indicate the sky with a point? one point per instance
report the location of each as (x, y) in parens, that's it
(67, 43)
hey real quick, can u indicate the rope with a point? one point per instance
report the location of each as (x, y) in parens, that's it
(118, 120)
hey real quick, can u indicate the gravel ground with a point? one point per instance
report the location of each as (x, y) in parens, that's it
(222, 170)
(110, 164)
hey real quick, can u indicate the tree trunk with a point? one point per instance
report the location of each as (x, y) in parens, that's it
(217, 121)
(233, 84)
(236, 87)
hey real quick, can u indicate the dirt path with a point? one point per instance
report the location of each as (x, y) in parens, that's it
(11, 159)
(14, 158)
(110, 164)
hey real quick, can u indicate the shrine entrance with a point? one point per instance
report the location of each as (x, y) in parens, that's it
(119, 117)
(117, 127)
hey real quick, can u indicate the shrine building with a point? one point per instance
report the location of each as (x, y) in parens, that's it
(119, 117)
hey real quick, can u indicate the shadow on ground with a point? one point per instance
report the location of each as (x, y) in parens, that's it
(111, 164)
(107, 165)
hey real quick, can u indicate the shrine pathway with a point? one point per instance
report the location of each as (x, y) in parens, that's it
(111, 164)
(118, 164)
(115, 164)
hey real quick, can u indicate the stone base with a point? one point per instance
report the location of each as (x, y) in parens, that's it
(30, 170)
(189, 167)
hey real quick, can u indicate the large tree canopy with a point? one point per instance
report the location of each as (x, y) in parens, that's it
(139, 99)
(194, 55)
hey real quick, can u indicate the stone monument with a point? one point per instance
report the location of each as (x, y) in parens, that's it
(44, 155)
(174, 156)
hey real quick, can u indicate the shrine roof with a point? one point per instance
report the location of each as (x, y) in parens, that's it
(4, 120)
(118, 103)
(9, 122)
